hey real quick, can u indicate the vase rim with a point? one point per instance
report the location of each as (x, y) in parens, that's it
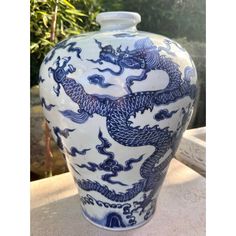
(118, 20)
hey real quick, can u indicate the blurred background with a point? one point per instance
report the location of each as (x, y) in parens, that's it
(53, 20)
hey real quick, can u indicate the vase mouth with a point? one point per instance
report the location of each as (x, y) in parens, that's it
(118, 20)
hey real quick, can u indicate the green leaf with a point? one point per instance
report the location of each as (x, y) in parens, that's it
(73, 31)
(69, 21)
(46, 41)
(45, 21)
(75, 12)
(62, 28)
(42, 13)
(67, 4)
(33, 47)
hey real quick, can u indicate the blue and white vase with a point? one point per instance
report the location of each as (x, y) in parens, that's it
(117, 102)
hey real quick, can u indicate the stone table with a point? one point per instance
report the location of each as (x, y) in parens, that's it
(55, 207)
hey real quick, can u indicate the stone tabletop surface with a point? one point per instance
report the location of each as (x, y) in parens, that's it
(55, 207)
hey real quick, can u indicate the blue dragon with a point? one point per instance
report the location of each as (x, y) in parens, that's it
(145, 56)
(117, 112)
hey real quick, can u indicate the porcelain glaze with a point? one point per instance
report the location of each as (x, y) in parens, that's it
(117, 102)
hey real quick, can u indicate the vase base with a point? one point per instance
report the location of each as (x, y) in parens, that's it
(117, 229)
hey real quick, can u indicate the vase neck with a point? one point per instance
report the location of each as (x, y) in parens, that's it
(118, 20)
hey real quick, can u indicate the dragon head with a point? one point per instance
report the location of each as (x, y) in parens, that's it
(59, 73)
(107, 53)
(123, 58)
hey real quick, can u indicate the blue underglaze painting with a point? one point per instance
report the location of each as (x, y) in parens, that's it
(126, 204)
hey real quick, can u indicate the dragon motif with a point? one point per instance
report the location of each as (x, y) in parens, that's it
(146, 57)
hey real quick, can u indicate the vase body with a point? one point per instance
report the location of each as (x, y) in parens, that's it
(117, 102)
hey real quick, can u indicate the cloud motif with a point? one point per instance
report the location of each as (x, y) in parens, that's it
(98, 80)
(47, 106)
(163, 114)
(73, 151)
